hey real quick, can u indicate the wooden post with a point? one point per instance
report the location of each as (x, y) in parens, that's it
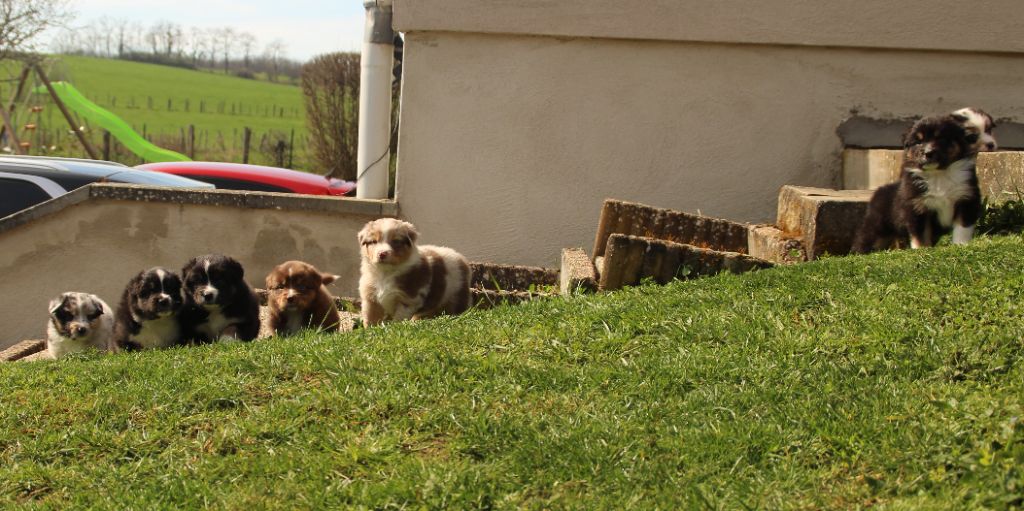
(22, 80)
(106, 145)
(291, 149)
(67, 115)
(13, 133)
(246, 136)
(190, 142)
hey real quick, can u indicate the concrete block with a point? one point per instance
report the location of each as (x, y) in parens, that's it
(630, 218)
(867, 169)
(630, 259)
(826, 220)
(578, 273)
(1001, 175)
(771, 244)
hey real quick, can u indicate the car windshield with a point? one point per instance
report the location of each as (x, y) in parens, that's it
(141, 177)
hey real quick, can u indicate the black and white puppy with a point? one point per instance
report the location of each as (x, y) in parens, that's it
(218, 301)
(937, 191)
(78, 322)
(148, 314)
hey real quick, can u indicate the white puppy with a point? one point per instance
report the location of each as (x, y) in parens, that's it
(78, 321)
(400, 280)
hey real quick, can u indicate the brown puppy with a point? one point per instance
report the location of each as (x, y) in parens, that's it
(298, 299)
(400, 280)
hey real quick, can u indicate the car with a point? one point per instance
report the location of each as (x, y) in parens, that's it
(28, 180)
(258, 178)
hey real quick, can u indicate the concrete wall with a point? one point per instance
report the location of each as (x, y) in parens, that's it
(519, 118)
(96, 238)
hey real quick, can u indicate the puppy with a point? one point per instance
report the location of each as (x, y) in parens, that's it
(218, 301)
(979, 126)
(148, 314)
(78, 321)
(401, 280)
(937, 191)
(299, 299)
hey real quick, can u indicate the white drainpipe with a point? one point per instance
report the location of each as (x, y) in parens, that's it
(375, 101)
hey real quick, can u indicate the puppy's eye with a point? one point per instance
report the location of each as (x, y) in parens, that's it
(972, 138)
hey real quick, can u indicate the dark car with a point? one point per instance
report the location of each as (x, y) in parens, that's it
(26, 180)
(258, 178)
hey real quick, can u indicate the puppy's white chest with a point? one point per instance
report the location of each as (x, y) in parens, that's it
(216, 323)
(945, 189)
(158, 333)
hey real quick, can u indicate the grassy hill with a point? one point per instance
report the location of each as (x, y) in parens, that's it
(893, 380)
(163, 101)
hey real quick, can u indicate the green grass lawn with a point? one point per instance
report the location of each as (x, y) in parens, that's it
(139, 94)
(893, 380)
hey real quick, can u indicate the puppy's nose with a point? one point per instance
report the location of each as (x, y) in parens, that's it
(80, 330)
(290, 298)
(163, 300)
(208, 295)
(383, 254)
(991, 146)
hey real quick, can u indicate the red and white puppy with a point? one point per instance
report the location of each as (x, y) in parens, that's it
(400, 280)
(298, 299)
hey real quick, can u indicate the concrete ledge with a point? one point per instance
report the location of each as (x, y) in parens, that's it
(634, 219)
(1000, 173)
(578, 274)
(630, 259)
(230, 198)
(826, 220)
(771, 244)
(840, 23)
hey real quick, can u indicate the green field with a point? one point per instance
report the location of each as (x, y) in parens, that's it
(891, 381)
(163, 101)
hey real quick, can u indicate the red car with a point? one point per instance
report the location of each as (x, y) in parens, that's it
(240, 176)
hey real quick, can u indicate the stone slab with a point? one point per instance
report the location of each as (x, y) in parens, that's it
(22, 350)
(511, 277)
(578, 274)
(826, 220)
(1000, 173)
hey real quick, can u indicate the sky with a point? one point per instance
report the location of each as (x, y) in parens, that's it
(307, 27)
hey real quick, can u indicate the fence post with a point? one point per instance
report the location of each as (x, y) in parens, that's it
(190, 147)
(291, 149)
(246, 135)
(106, 145)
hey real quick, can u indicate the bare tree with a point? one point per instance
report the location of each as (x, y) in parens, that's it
(247, 42)
(330, 87)
(274, 52)
(21, 21)
(228, 41)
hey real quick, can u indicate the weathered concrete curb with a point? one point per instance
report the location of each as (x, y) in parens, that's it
(826, 220)
(1000, 174)
(511, 278)
(578, 274)
(22, 350)
(630, 259)
(771, 244)
(630, 218)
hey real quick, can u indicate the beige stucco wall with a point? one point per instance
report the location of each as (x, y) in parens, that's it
(509, 142)
(98, 244)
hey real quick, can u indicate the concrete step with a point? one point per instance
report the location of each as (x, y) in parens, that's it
(826, 220)
(631, 259)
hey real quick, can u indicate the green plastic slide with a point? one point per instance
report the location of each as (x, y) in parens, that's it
(112, 123)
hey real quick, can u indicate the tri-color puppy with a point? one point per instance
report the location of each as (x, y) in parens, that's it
(148, 314)
(78, 322)
(218, 301)
(979, 126)
(298, 299)
(937, 192)
(401, 280)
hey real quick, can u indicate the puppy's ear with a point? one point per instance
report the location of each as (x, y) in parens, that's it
(328, 278)
(236, 268)
(56, 304)
(364, 233)
(411, 232)
(97, 306)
